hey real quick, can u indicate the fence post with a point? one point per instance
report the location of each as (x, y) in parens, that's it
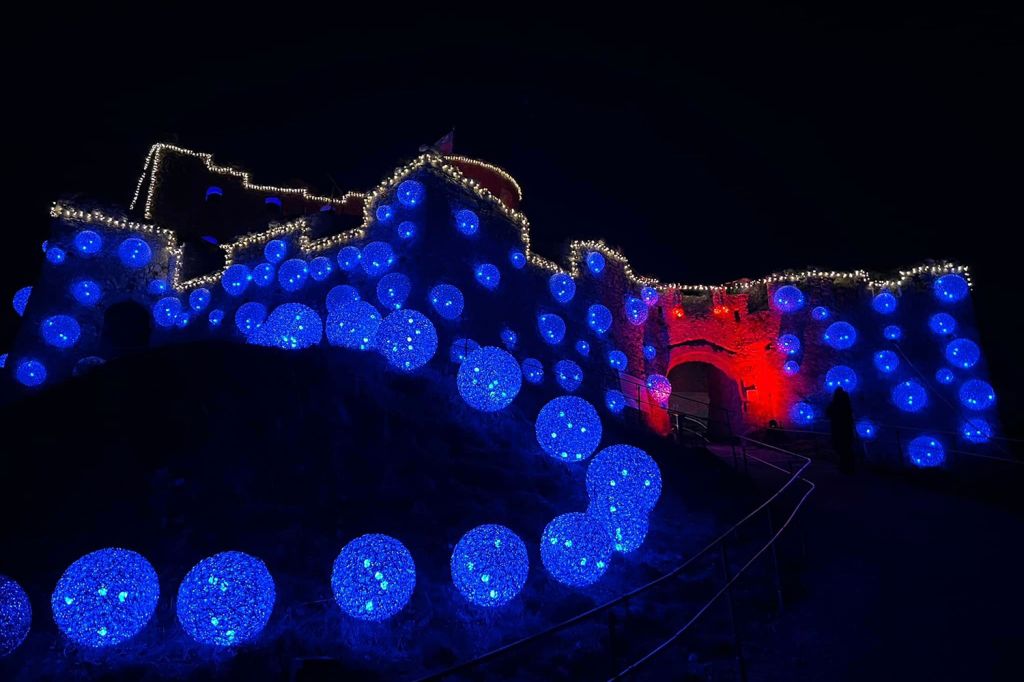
(740, 663)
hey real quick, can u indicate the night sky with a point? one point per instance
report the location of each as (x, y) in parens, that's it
(707, 148)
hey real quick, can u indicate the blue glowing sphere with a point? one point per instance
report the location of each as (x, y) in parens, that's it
(393, 289)
(199, 299)
(615, 401)
(636, 311)
(411, 193)
(88, 243)
(562, 287)
(821, 313)
(447, 301)
(166, 311)
(15, 615)
(595, 262)
(575, 549)
(250, 316)
(134, 253)
(533, 370)
(105, 597)
(377, 258)
(926, 452)
(183, 319)
(407, 339)
(291, 326)
(789, 344)
(20, 299)
(235, 279)
(884, 303)
(275, 250)
(568, 374)
(976, 394)
(942, 324)
(216, 317)
(353, 325)
(649, 295)
(568, 429)
(517, 258)
(460, 350)
(910, 396)
(626, 529)
(320, 268)
(341, 295)
(384, 213)
(623, 479)
(349, 258)
(976, 430)
(30, 372)
(373, 577)
(487, 275)
(489, 379)
(617, 360)
(788, 299)
(157, 287)
(650, 352)
(3, 360)
(840, 335)
(790, 367)
(893, 332)
(55, 255)
(467, 222)
(866, 429)
(659, 388)
(886, 361)
(599, 318)
(406, 229)
(86, 291)
(802, 413)
(963, 353)
(944, 375)
(509, 338)
(583, 348)
(551, 328)
(840, 376)
(60, 331)
(490, 565)
(292, 274)
(45, 245)
(226, 599)
(951, 288)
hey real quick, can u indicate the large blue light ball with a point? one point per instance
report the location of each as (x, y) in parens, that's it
(790, 367)
(460, 350)
(406, 229)
(291, 326)
(821, 313)
(86, 291)
(489, 379)
(393, 290)
(840, 335)
(55, 255)
(599, 318)
(105, 597)
(489, 565)
(942, 324)
(575, 549)
(60, 331)
(166, 311)
(354, 325)
(20, 299)
(134, 253)
(384, 213)
(373, 577)
(88, 243)
(226, 599)
(411, 193)
(467, 222)
(976, 394)
(509, 338)
(583, 348)
(910, 396)
(349, 258)
(292, 274)
(650, 352)
(235, 279)
(866, 429)
(595, 262)
(623, 479)
(802, 413)
(407, 339)
(617, 360)
(840, 376)
(886, 361)
(250, 316)
(275, 250)
(551, 328)
(626, 530)
(963, 353)
(320, 268)
(788, 299)
(517, 258)
(487, 275)
(976, 430)
(562, 287)
(199, 299)
(377, 258)
(447, 301)
(568, 429)
(569, 375)
(15, 615)
(615, 401)
(884, 303)
(340, 295)
(659, 388)
(533, 370)
(649, 295)
(893, 332)
(789, 344)
(926, 452)
(30, 372)
(951, 288)
(636, 310)
(944, 375)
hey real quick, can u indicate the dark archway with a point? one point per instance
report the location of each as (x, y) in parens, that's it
(704, 394)
(126, 329)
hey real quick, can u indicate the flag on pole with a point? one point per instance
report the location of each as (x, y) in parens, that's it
(446, 143)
